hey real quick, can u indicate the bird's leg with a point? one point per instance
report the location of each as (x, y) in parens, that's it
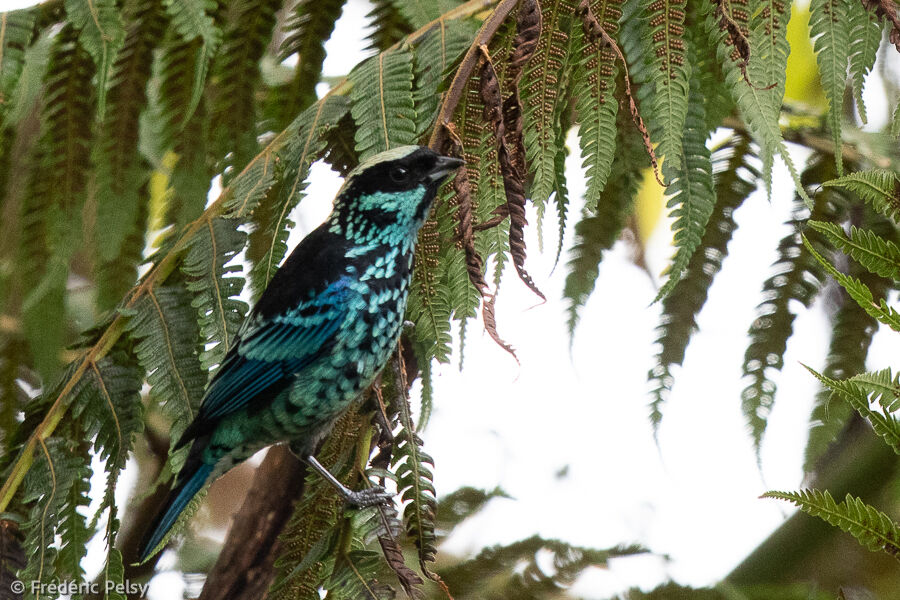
(361, 498)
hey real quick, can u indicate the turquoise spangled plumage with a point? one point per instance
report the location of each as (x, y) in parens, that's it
(320, 333)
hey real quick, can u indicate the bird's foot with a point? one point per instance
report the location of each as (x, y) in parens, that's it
(409, 325)
(368, 497)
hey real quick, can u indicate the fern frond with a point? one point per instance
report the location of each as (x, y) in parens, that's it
(268, 241)
(594, 87)
(851, 336)
(120, 174)
(878, 187)
(798, 276)
(55, 487)
(389, 26)
(164, 325)
(871, 527)
(860, 391)
(670, 69)
(118, 275)
(865, 37)
(235, 79)
(429, 302)
(514, 571)
(691, 195)
(542, 98)
(830, 26)
(735, 179)
(16, 34)
(760, 98)
(878, 255)
(308, 28)
(413, 468)
(859, 291)
(102, 34)
(382, 102)
(602, 222)
(211, 279)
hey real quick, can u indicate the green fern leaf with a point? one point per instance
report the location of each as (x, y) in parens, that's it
(601, 224)
(881, 387)
(865, 37)
(118, 275)
(429, 304)
(382, 102)
(308, 28)
(594, 87)
(798, 276)
(55, 487)
(735, 180)
(760, 104)
(691, 195)
(878, 187)
(164, 325)
(236, 77)
(667, 50)
(851, 336)
(858, 291)
(120, 174)
(16, 34)
(830, 26)
(875, 253)
(871, 527)
(389, 26)
(208, 271)
(102, 34)
(419, 14)
(268, 242)
(542, 97)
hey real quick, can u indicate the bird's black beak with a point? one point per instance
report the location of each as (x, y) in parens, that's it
(443, 167)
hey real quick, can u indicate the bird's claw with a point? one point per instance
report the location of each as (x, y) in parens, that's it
(369, 497)
(409, 325)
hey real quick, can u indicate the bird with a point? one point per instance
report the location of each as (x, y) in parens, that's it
(319, 334)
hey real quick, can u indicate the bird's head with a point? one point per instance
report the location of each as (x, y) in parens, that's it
(389, 195)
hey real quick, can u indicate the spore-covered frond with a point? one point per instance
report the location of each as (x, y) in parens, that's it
(382, 102)
(878, 187)
(542, 97)
(429, 301)
(389, 26)
(268, 241)
(865, 37)
(691, 195)
(236, 78)
(594, 87)
(877, 254)
(515, 572)
(102, 34)
(798, 276)
(871, 527)
(735, 176)
(17, 29)
(859, 291)
(55, 488)
(759, 98)
(829, 24)
(603, 221)
(164, 324)
(120, 171)
(308, 28)
(215, 284)
(670, 71)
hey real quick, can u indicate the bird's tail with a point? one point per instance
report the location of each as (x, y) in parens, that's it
(190, 481)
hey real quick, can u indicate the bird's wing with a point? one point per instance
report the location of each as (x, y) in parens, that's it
(271, 350)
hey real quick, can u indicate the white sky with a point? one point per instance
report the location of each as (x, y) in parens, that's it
(695, 497)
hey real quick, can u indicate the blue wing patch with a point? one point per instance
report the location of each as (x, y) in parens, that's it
(269, 352)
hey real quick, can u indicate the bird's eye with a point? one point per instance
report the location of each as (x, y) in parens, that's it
(399, 175)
